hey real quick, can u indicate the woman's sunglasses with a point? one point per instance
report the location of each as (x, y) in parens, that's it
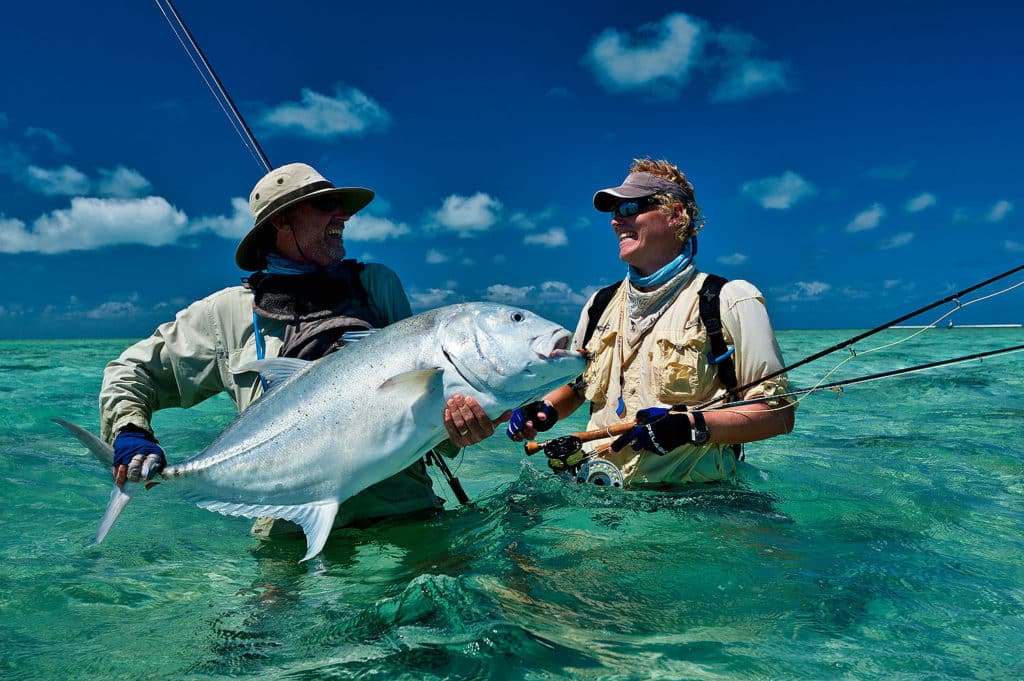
(626, 209)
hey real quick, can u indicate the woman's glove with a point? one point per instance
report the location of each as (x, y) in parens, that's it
(531, 413)
(139, 452)
(657, 431)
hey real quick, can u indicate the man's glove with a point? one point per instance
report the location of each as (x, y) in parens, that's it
(531, 412)
(657, 431)
(137, 449)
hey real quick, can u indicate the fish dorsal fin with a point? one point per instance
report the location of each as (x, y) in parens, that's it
(355, 336)
(316, 518)
(119, 498)
(275, 370)
(418, 381)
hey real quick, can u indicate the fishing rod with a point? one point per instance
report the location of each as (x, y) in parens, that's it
(561, 447)
(859, 337)
(248, 139)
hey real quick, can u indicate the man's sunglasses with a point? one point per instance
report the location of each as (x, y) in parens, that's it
(626, 209)
(326, 204)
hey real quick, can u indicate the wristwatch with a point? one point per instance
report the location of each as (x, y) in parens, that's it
(699, 434)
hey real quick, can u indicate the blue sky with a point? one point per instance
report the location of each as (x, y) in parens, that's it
(855, 162)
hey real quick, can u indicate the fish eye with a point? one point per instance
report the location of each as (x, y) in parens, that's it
(517, 316)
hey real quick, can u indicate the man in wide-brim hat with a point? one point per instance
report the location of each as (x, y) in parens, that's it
(301, 296)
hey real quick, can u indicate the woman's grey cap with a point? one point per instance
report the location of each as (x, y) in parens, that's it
(280, 189)
(636, 186)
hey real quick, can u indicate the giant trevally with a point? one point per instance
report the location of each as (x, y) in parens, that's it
(328, 429)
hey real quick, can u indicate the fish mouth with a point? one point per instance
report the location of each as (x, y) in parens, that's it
(553, 345)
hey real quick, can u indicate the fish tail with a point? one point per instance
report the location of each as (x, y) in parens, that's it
(119, 496)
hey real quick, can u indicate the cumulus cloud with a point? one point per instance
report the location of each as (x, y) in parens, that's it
(734, 259)
(122, 183)
(557, 292)
(806, 290)
(896, 240)
(233, 226)
(349, 112)
(551, 238)
(431, 298)
(745, 79)
(435, 257)
(867, 219)
(779, 193)
(113, 310)
(658, 58)
(1013, 246)
(63, 181)
(467, 215)
(93, 223)
(52, 139)
(999, 211)
(920, 203)
(374, 228)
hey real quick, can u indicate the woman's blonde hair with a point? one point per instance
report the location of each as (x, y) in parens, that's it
(667, 171)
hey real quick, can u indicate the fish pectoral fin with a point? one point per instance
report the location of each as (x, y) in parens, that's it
(119, 498)
(315, 518)
(418, 382)
(275, 370)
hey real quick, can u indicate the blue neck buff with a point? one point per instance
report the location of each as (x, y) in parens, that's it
(674, 267)
(278, 264)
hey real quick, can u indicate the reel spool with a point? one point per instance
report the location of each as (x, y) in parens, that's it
(600, 472)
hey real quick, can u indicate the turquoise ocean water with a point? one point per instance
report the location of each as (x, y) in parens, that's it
(883, 539)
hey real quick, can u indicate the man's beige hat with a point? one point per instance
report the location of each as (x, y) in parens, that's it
(282, 188)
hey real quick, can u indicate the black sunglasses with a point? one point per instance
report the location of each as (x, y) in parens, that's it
(626, 209)
(326, 204)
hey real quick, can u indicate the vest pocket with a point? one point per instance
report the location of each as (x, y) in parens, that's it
(680, 368)
(599, 371)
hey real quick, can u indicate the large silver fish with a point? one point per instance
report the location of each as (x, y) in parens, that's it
(329, 429)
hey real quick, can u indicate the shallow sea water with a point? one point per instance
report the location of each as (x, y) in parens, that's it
(883, 539)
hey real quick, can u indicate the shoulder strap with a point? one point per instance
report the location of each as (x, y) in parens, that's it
(597, 308)
(711, 317)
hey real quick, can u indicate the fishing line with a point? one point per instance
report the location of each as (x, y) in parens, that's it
(850, 341)
(220, 93)
(854, 355)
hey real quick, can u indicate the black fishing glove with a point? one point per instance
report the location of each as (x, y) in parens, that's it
(657, 430)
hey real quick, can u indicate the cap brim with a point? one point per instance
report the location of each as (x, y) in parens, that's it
(606, 199)
(251, 255)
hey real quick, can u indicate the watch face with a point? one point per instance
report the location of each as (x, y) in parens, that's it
(699, 434)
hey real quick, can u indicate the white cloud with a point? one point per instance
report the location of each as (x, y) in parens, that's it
(373, 228)
(92, 223)
(734, 259)
(122, 183)
(657, 58)
(999, 211)
(435, 257)
(63, 181)
(560, 292)
(806, 290)
(431, 298)
(322, 117)
(509, 295)
(234, 226)
(920, 203)
(552, 238)
(779, 193)
(52, 139)
(751, 78)
(896, 240)
(113, 310)
(1013, 246)
(468, 215)
(867, 219)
